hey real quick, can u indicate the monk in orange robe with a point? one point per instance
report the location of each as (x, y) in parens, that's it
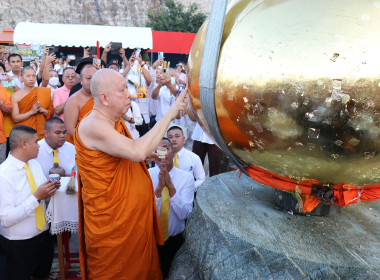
(32, 106)
(118, 222)
(5, 109)
(80, 103)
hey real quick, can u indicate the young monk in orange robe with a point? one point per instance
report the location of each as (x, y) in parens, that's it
(118, 222)
(80, 103)
(32, 106)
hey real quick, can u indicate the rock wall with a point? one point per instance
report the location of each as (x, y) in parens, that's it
(108, 12)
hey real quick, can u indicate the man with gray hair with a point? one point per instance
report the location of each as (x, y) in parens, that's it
(80, 103)
(118, 222)
(24, 237)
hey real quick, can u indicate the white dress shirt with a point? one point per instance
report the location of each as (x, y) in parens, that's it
(16, 79)
(133, 112)
(152, 102)
(17, 203)
(181, 203)
(190, 162)
(143, 103)
(201, 136)
(66, 155)
(165, 101)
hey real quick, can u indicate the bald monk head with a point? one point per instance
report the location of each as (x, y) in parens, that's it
(85, 77)
(109, 90)
(28, 76)
(23, 142)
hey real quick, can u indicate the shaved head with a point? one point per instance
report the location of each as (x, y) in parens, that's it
(23, 70)
(20, 133)
(103, 82)
(82, 72)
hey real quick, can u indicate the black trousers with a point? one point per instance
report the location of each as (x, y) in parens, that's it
(214, 156)
(27, 258)
(167, 252)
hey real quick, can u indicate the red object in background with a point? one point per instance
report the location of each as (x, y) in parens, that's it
(163, 41)
(172, 42)
(6, 37)
(97, 49)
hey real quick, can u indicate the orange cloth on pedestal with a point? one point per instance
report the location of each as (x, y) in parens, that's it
(37, 121)
(119, 227)
(87, 108)
(344, 194)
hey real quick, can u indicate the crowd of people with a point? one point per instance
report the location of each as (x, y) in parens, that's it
(109, 120)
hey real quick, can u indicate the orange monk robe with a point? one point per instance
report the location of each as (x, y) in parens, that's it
(6, 101)
(8, 121)
(84, 111)
(118, 222)
(37, 121)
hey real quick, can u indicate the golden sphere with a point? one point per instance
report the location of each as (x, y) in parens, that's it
(297, 87)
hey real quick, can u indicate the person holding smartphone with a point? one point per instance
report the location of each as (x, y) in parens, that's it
(138, 77)
(165, 92)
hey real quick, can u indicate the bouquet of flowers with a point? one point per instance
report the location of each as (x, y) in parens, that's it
(136, 80)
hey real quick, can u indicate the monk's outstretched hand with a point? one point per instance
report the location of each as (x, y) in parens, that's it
(152, 157)
(178, 106)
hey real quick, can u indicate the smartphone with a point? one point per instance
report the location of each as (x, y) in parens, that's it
(3, 77)
(115, 47)
(137, 52)
(93, 51)
(52, 50)
(96, 62)
(160, 55)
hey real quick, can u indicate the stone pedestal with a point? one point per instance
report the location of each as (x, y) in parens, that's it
(237, 232)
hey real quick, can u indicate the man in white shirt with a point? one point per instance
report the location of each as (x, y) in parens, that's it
(15, 61)
(184, 159)
(164, 92)
(140, 77)
(25, 241)
(54, 141)
(132, 118)
(152, 102)
(174, 190)
(204, 145)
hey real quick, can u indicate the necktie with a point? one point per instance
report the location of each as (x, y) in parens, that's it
(56, 159)
(176, 160)
(164, 214)
(40, 217)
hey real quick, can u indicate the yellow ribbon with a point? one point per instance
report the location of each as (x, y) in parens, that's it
(56, 159)
(164, 214)
(40, 217)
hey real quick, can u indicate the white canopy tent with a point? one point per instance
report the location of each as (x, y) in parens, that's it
(77, 35)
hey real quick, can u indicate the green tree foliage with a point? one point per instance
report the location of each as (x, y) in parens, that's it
(172, 16)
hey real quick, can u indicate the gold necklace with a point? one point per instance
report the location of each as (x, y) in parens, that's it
(108, 118)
